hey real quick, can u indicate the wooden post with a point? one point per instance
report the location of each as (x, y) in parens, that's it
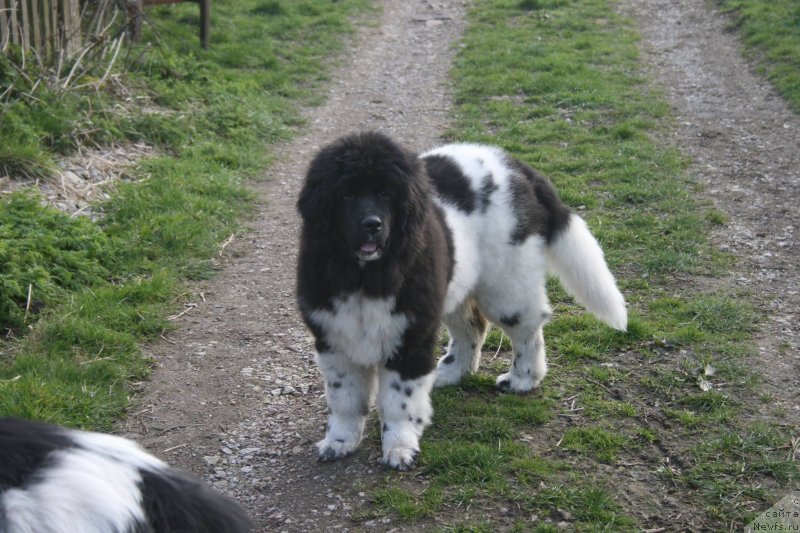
(135, 18)
(205, 22)
(49, 28)
(37, 32)
(14, 24)
(72, 27)
(25, 26)
(4, 27)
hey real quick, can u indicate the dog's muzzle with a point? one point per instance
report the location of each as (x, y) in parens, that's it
(369, 250)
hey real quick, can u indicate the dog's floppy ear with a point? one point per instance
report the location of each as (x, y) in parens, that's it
(416, 204)
(315, 203)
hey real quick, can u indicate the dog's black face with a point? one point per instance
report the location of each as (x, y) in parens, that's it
(364, 218)
(363, 198)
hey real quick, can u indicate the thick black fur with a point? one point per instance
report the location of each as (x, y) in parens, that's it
(172, 500)
(418, 261)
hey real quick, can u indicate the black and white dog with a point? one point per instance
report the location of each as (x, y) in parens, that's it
(58, 480)
(393, 244)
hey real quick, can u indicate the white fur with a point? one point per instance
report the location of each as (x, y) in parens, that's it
(349, 391)
(578, 261)
(93, 490)
(405, 411)
(508, 280)
(466, 257)
(366, 329)
(505, 280)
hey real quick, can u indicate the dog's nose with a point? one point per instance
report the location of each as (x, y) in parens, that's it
(372, 224)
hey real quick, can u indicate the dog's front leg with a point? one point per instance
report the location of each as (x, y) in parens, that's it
(348, 391)
(405, 410)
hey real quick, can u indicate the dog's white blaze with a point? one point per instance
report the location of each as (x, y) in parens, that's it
(90, 488)
(118, 449)
(366, 330)
(80, 492)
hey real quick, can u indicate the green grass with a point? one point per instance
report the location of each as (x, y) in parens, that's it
(558, 84)
(77, 296)
(771, 31)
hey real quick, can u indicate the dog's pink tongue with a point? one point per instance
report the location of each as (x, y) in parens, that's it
(369, 247)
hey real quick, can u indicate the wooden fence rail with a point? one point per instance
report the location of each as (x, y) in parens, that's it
(45, 27)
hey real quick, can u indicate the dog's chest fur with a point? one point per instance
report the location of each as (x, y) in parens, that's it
(367, 330)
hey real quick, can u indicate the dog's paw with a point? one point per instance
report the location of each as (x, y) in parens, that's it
(331, 449)
(447, 373)
(509, 382)
(400, 458)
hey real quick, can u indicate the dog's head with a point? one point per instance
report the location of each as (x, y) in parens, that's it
(364, 192)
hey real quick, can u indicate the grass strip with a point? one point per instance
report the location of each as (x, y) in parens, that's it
(78, 296)
(558, 84)
(771, 31)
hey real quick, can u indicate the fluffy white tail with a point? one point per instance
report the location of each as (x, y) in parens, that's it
(576, 258)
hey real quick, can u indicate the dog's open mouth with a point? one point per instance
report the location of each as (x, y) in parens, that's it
(369, 251)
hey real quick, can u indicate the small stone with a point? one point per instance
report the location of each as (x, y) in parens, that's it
(211, 460)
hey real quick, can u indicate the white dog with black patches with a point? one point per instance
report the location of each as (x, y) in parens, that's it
(393, 244)
(58, 480)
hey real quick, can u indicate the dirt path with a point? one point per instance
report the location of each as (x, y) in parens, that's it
(745, 144)
(236, 397)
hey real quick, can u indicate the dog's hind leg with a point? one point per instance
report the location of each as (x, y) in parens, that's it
(405, 410)
(467, 329)
(529, 365)
(349, 392)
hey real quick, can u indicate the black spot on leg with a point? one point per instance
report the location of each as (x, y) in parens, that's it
(510, 320)
(449, 359)
(385, 428)
(403, 406)
(336, 384)
(409, 391)
(528, 371)
(410, 418)
(419, 420)
(396, 386)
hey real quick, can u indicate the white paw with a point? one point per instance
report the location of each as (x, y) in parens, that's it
(512, 383)
(400, 458)
(447, 373)
(332, 449)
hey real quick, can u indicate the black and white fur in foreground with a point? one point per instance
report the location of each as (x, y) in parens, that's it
(58, 480)
(393, 244)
